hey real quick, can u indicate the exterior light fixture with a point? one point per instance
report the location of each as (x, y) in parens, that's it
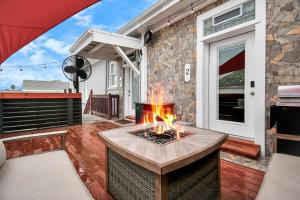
(147, 37)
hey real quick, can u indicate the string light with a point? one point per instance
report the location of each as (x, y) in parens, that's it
(21, 67)
(35, 65)
(192, 10)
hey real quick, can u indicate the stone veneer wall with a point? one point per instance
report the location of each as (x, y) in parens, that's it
(168, 52)
(175, 46)
(283, 48)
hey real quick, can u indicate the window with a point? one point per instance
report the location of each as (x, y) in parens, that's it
(236, 12)
(235, 16)
(113, 75)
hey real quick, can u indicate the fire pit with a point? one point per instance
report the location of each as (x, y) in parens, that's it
(159, 160)
(168, 136)
(164, 167)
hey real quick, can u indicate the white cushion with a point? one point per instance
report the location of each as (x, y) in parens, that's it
(282, 179)
(45, 176)
(2, 153)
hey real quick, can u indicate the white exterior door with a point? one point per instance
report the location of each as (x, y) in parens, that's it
(132, 91)
(232, 86)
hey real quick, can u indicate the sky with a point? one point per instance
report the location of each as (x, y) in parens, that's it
(109, 15)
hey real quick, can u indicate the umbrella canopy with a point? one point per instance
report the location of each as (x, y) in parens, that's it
(234, 64)
(22, 21)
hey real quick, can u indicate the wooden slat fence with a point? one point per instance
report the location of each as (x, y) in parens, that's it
(105, 105)
(20, 114)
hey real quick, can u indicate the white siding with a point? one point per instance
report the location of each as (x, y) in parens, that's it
(97, 81)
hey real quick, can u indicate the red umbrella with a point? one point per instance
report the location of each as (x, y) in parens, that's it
(22, 21)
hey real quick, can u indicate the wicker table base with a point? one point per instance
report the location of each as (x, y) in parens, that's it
(196, 181)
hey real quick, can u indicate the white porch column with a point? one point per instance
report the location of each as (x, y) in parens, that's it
(144, 72)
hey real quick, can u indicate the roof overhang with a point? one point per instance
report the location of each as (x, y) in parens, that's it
(158, 13)
(147, 15)
(98, 44)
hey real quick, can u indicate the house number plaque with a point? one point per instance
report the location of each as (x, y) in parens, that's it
(187, 73)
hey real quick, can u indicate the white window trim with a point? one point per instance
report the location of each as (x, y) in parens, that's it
(111, 87)
(259, 26)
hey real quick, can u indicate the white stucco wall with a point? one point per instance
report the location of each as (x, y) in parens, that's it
(97, 81)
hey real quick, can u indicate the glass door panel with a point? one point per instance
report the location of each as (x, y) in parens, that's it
(231, 83)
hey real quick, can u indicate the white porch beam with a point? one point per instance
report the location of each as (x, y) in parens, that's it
(81, 46)
(83, 40)
(96, 48)
(104, 38)
(116, 39)
(126, 59)
(101, 56)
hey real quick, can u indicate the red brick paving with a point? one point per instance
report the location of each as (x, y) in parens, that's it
(86, 151)
(84, 148)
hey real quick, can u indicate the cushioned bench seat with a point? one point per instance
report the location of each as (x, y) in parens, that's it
(45, 176)
(282, 179)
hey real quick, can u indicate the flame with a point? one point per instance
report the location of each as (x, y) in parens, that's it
(159, 112)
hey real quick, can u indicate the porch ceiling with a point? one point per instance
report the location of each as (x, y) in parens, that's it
(98, 44)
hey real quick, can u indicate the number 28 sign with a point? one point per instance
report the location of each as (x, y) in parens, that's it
(187, 73)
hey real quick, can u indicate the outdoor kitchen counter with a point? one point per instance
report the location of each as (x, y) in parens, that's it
(187, 169)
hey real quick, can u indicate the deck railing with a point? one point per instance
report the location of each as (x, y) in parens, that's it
(105, 105)
(20, 111)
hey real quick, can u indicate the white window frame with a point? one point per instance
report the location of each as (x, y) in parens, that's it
(112, 64)
(259, 26)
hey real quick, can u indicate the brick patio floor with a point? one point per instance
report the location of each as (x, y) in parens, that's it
(86, 151)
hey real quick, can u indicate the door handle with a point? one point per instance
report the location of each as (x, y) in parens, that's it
(252, 93)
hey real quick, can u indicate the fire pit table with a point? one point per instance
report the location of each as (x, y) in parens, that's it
(182, 168)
